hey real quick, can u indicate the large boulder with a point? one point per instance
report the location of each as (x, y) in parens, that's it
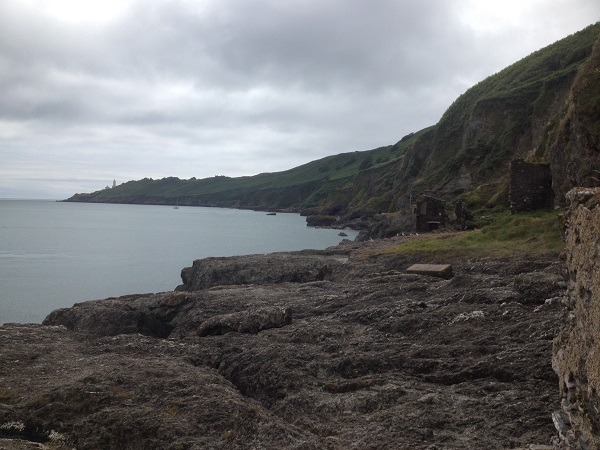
(257, 269)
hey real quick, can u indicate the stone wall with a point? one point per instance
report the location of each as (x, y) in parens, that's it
(530, 186)
(430, 213)
(577, 348)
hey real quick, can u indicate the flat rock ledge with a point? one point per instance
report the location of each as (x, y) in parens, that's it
(298, 267)
(372, 357)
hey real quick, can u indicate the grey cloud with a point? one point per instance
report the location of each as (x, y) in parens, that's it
(334, 45)
(189, 88)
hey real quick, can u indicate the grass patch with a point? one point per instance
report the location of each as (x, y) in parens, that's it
(531, 233)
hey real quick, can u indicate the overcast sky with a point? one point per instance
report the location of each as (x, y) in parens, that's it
(92, 91)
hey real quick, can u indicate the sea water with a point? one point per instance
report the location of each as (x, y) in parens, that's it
(54, 254)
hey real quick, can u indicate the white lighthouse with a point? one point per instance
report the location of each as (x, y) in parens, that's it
(114, 183)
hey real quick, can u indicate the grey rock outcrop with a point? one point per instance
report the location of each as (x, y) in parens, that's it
(298, 267)
(246, 322)
(373, 358)
(575, 150)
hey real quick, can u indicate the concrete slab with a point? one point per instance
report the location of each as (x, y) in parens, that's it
(434, 270)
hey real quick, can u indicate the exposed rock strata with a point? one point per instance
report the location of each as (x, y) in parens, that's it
(577, 349)
(575, 149)
(256, 269)
(246, 322)
(373, 358)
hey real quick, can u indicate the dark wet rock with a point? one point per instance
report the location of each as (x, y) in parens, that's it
(320, 220)
(373, 358)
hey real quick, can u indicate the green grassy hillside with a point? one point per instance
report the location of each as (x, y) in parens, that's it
(315, 180)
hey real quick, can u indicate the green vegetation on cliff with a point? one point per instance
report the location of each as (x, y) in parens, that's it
(507, 115)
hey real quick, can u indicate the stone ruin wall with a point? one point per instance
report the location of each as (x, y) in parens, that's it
(577, 348)
(430, 213)
(530, 186)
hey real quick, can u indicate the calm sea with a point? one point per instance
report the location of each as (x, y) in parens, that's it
(55, 254)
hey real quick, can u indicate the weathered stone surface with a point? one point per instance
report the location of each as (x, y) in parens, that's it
(73, 390)
(577, 349)
(536, 287)
(435, 270)
(298, 267)
(374, 358)
(246, 322)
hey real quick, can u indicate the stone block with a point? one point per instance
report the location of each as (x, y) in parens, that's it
(434, 270)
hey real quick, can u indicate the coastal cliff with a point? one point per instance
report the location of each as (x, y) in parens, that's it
(343, 348)
(365, 355)
(541, 109)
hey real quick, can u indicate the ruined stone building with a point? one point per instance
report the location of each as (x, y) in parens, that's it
(530, 186)
(430, 213)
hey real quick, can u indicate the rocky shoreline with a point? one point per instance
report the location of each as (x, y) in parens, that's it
(333, 349)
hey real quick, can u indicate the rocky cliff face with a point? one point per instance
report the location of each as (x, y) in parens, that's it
(577, 349)
(544, 108)
(575, 150)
